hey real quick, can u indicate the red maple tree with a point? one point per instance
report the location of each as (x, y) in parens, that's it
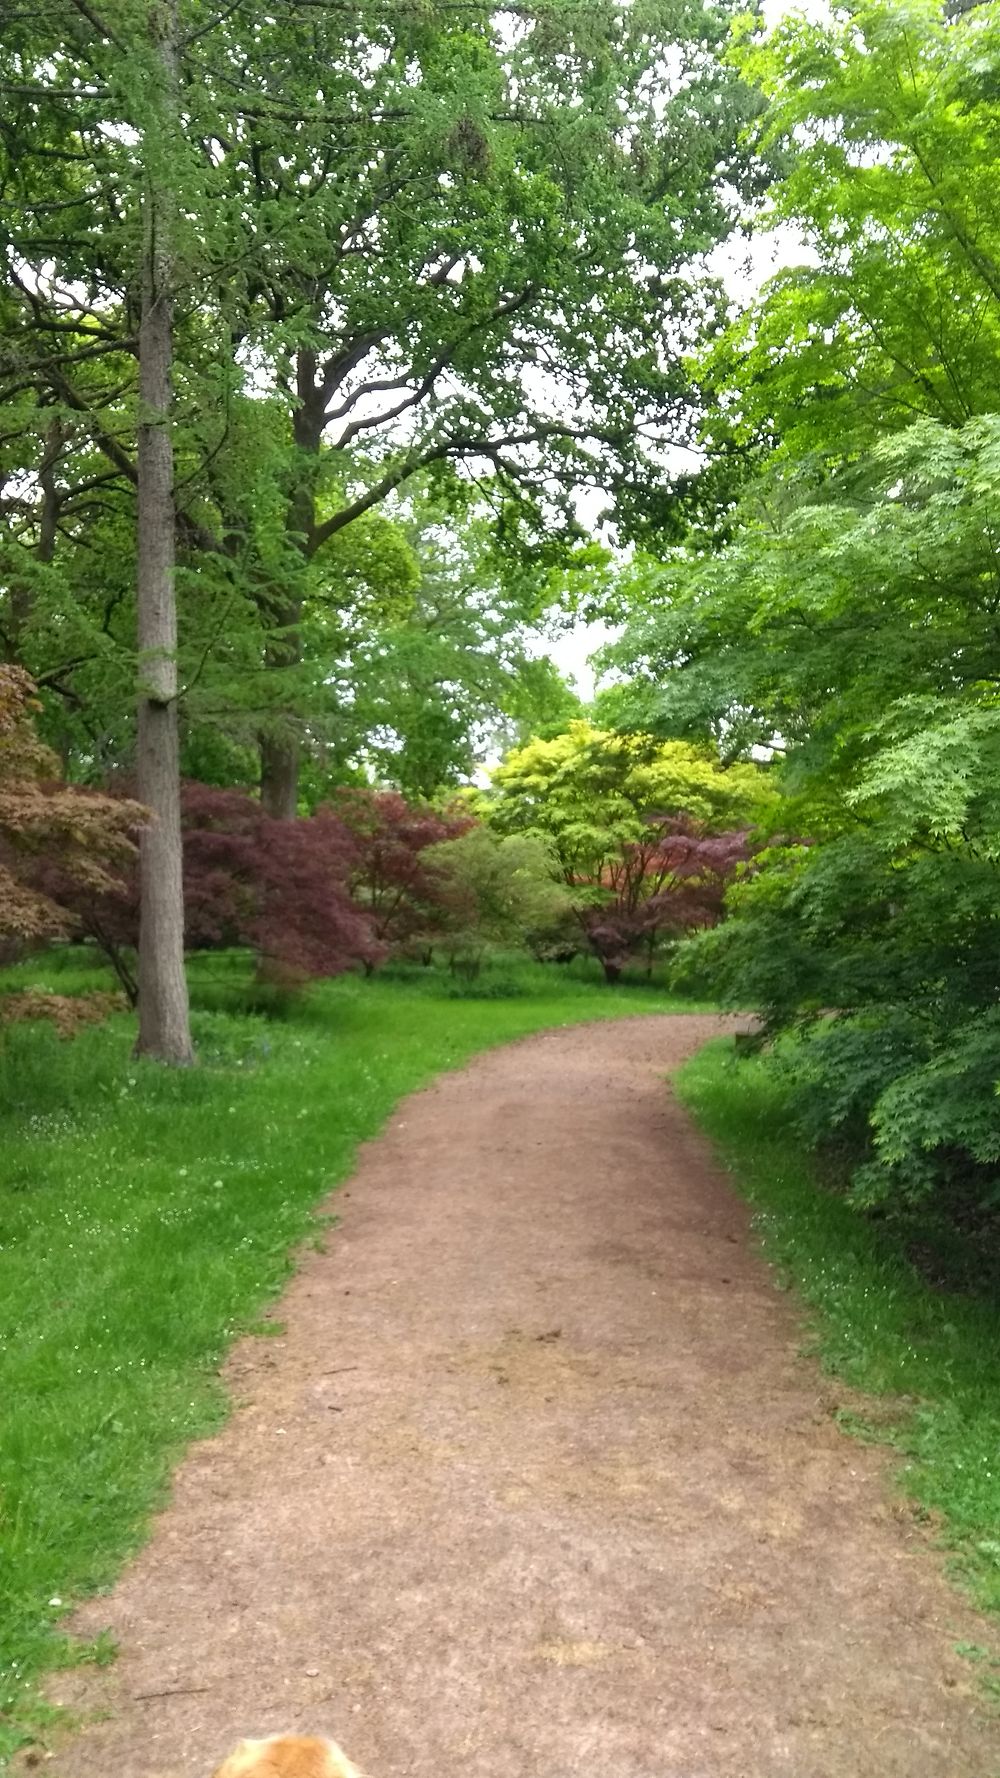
(670, 882)
(52, 835)
(391, 876)
(280, 888)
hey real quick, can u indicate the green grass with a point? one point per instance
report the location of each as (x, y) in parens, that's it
(932, 1357)
(63, 969)
(148, 1215)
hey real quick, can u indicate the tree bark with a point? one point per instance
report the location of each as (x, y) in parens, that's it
(279, 775)
(280, 751)
(164, 1029)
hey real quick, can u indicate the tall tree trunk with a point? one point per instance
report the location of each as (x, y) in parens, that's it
(279, 775)
(279, 747)
(164, 1030)
(280, 751)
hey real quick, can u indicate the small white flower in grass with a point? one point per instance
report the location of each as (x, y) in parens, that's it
(55, 1599)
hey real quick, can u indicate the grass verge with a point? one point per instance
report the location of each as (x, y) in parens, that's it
(148, 1215)
(931, 1356)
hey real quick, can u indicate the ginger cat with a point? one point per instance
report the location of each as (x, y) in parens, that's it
(287, 1756)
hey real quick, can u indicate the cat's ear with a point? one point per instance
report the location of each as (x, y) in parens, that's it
(239, 1760)
(339, 1764)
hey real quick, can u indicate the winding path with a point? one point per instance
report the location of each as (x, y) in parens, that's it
(535, 1485)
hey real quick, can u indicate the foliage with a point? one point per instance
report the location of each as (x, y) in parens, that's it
(66, 1012)
(590, 790)
(469, 259)
(873, 646)
(495, 890)
(903, 1077)
(428, 690)
(847, 619)
(392, 874)
(831, 604)
(633, 822)
(42, 819)
(669, 882)
(280, 887)
(884, 118)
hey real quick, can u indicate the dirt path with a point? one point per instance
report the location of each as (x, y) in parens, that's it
(535, 1485)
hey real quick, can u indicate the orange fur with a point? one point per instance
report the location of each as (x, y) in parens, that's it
(287, 1756)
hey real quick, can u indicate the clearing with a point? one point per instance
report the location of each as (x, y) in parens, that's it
(535, 1481)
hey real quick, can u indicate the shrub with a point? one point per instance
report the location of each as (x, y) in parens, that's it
(494, 891)
(60, 846)
(392, 873)
(279, 887)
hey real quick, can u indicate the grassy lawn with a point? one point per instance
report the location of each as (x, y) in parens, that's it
(147, 1216)
(932, 1356)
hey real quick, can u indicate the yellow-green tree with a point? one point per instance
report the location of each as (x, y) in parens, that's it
(591, 791)
(635, 824)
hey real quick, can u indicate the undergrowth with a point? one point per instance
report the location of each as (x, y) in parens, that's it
(878, 1322)
(148, 1215)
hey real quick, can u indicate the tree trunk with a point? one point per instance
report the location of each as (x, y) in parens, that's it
(164, 1031)
(279, 747)
(279, 775)
(280, 751)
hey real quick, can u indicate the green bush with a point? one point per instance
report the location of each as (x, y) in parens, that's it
(875, 967)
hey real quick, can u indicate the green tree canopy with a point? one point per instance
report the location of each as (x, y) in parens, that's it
(885, 118)
(817, 621)
(469, 249)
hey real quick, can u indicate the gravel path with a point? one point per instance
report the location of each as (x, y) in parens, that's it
(535, 1485)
